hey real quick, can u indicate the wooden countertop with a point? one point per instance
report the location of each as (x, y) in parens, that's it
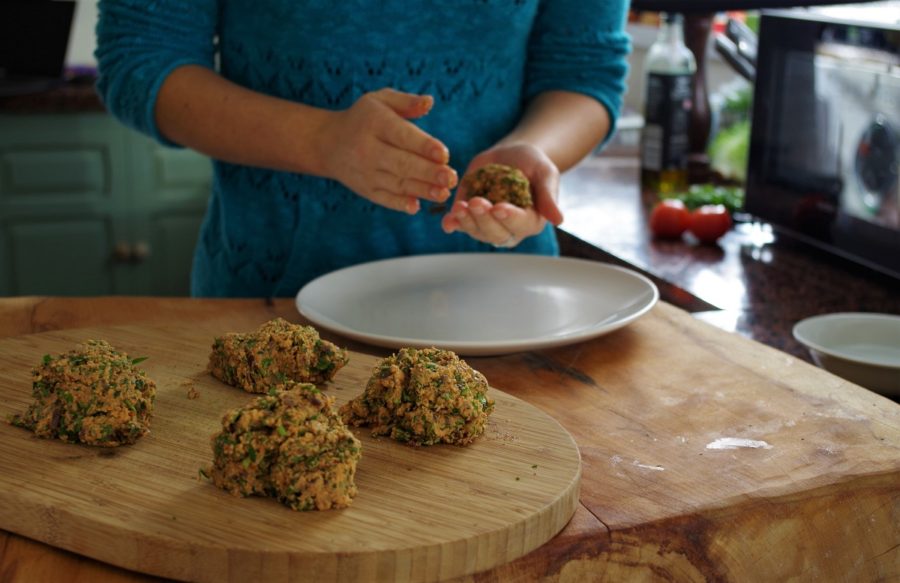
(651, 407)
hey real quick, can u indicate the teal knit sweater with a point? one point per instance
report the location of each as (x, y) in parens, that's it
(267, 233)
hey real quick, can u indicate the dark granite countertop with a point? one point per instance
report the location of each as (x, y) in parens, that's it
(755, 281)
(75, 95)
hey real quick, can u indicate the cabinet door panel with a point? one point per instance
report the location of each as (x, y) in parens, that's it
(170, 191)
(61, 257)
(163, 176)
(70, 163)
(69, 173)
(74, 187)
(174, 238)
(182, 169)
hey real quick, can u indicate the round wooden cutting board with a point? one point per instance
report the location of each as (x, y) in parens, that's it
(422, 514)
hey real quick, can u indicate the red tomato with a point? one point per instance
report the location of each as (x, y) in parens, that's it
(669, 218)
(709, 222)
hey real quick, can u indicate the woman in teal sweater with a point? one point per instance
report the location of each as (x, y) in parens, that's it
(339, 128)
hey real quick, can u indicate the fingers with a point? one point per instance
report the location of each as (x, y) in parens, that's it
(409, 187)
(487, 226)
(408, 105)
(411, 167)
(406, 136)
(403, 134)
(398, 202)
(495, 224)
(400, 133)
(550, 211)
(453, 220)
(544, 200)
(388, 159)
(411, 153)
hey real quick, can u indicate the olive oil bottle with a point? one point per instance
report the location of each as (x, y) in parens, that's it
(669, 69)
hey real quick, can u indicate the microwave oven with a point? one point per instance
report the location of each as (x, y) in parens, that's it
(824, 162)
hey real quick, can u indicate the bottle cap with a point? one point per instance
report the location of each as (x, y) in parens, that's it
(672, 17)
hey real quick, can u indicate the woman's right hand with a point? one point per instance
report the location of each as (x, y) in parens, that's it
(372, 149)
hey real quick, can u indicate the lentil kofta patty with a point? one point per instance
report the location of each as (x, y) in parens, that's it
(423, 397)
(290, 445)
(277, 352)
(93, 395)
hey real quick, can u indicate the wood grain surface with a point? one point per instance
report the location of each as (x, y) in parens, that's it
(821, 503)
(421, 513)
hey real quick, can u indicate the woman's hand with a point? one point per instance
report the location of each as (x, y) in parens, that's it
(504, 224)
(372, 149)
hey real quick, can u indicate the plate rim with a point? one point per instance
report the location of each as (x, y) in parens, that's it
(469, 347)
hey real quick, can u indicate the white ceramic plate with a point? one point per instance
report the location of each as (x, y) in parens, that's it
(477, 304)
(861, 347)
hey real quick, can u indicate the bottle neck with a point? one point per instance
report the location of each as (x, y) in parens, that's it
(671, 31)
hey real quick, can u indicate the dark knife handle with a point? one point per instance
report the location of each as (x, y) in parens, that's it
(744, 39)
(729, 52)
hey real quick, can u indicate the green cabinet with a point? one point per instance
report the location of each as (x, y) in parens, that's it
(90, 207)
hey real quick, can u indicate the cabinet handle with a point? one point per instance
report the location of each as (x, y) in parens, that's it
(125, 252)
(122, 252)
(140, 251)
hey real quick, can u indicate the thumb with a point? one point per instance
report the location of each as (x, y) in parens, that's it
(545, 204)
(407, 105)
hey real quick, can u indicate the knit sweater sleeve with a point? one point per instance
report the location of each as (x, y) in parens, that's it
(139, 43)
(580, 46)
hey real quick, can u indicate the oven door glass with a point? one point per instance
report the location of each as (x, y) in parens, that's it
(825, 147)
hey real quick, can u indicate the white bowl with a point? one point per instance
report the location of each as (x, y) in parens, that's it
(861, 347)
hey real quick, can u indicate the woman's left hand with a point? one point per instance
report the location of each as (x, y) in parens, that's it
(504, 224)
